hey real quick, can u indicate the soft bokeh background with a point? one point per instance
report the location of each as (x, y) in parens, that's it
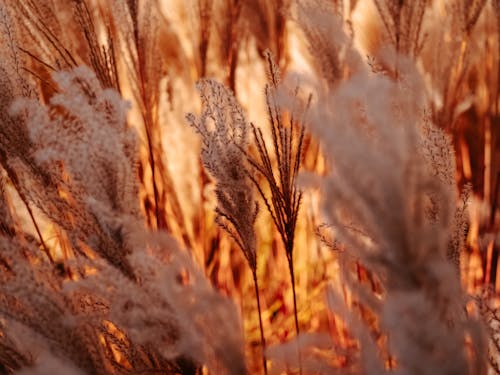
(159, 57)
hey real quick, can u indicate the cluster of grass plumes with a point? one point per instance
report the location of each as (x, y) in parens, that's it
(135, 289)
(123, 234)
(112, 296)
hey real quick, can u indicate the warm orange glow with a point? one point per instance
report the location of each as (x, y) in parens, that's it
(489, 255)
(160, 184)
(466, 166)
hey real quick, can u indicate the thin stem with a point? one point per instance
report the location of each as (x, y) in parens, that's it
(297, 330)
(494, 202)
(262, 338)
(35, 224)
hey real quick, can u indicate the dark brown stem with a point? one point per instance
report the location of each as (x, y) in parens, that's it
(262, 337)
(297, 330)
(153, 176)
(494, 202)
(37, 229)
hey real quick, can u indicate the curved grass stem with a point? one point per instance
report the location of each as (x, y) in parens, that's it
(262, 337)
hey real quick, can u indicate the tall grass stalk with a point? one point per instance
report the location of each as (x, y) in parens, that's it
(287, 151)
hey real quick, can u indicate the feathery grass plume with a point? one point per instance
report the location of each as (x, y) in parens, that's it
(287, 149)
(36, 312)
(47, 186)
(378, 198)
(77, 163)
(92, 195)
(491, 316)
(79, 172)
(224, 129)
(86, 288)
(224, 132)
(12, 355)
(103, 322)
(73, 192)
(171, 312)
(381, 183)
(437, 150)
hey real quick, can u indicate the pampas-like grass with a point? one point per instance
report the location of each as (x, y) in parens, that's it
(107, 267)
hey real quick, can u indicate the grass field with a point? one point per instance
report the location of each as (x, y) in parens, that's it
(249, 187)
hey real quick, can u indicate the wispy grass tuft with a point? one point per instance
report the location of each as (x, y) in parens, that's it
(287, 132)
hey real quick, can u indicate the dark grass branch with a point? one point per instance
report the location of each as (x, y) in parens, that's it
(287, 150)
(31, 12)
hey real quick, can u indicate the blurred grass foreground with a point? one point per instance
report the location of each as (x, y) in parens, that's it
(249, 187)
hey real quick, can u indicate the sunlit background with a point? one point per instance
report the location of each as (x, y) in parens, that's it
(179, 42)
